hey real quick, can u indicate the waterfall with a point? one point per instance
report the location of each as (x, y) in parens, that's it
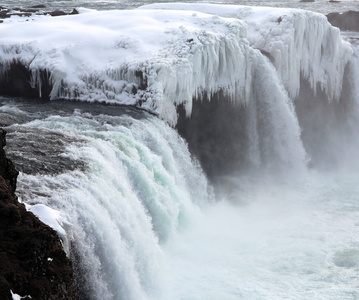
(139, 186)
(203, 154)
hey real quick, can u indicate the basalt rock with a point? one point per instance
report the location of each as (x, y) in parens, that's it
(32, 260)
(7, 169)
(17, 83)
(345, 21)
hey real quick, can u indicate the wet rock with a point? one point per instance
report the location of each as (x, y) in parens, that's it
(17, 82)
(32, 260)
(7, 170)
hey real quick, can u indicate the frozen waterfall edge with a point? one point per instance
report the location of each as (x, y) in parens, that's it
(264, 63)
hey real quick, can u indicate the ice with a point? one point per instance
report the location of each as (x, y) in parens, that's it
(299, 42)
(164, 55)
(152, 59)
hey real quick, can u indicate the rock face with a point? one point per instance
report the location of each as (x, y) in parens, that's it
(32, 260)
(16, 83)
(345, 21)
(212, 142)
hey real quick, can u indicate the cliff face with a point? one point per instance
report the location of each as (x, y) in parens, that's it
(32, 260)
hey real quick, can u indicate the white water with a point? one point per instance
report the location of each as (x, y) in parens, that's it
(140, 186)
(140, 218)
(295, 241)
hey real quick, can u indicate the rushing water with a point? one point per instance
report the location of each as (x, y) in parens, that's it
(124, 181)
(142, 220)
(141, 223)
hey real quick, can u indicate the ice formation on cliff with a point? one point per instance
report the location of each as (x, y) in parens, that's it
(156, 59)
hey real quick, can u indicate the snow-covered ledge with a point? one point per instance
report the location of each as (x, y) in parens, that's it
(157, 59)
(152, 59)
(299, 42)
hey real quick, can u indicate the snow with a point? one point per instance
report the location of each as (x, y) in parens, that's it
(18, 297)
(15, 296)
(52, 218)
(298, 41)
(103, 56)
(163, 55)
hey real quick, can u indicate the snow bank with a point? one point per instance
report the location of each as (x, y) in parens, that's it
(156, 58)
(152, 59)
(298, 42)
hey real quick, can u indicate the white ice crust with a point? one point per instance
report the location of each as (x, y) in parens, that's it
(163, 55)
(298, 41)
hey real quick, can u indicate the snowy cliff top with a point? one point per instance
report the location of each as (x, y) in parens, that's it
(163, 55)
(298, 42)
(118, 56)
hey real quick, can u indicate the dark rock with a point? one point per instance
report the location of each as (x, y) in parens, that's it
(38, 6)
(74, 12)
(4, 14)
(16, 82)
(345, 21)
(7, 169)
(56, 13)
(212, 142)
(32, 260)
(33, 10)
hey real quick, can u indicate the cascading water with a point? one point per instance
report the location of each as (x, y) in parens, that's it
(138, 186)
(126, 191)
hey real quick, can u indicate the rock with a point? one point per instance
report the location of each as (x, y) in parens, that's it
(17, 83)
(74, 12)
(56, 13)
(33, 10)
(32, 260)
(345, 21)
(38, 6)
(7, 169)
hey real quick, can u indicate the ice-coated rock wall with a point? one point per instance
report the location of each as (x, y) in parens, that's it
(298, 42)
(156, 59)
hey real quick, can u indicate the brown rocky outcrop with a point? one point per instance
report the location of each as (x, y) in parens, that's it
(32, 260)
